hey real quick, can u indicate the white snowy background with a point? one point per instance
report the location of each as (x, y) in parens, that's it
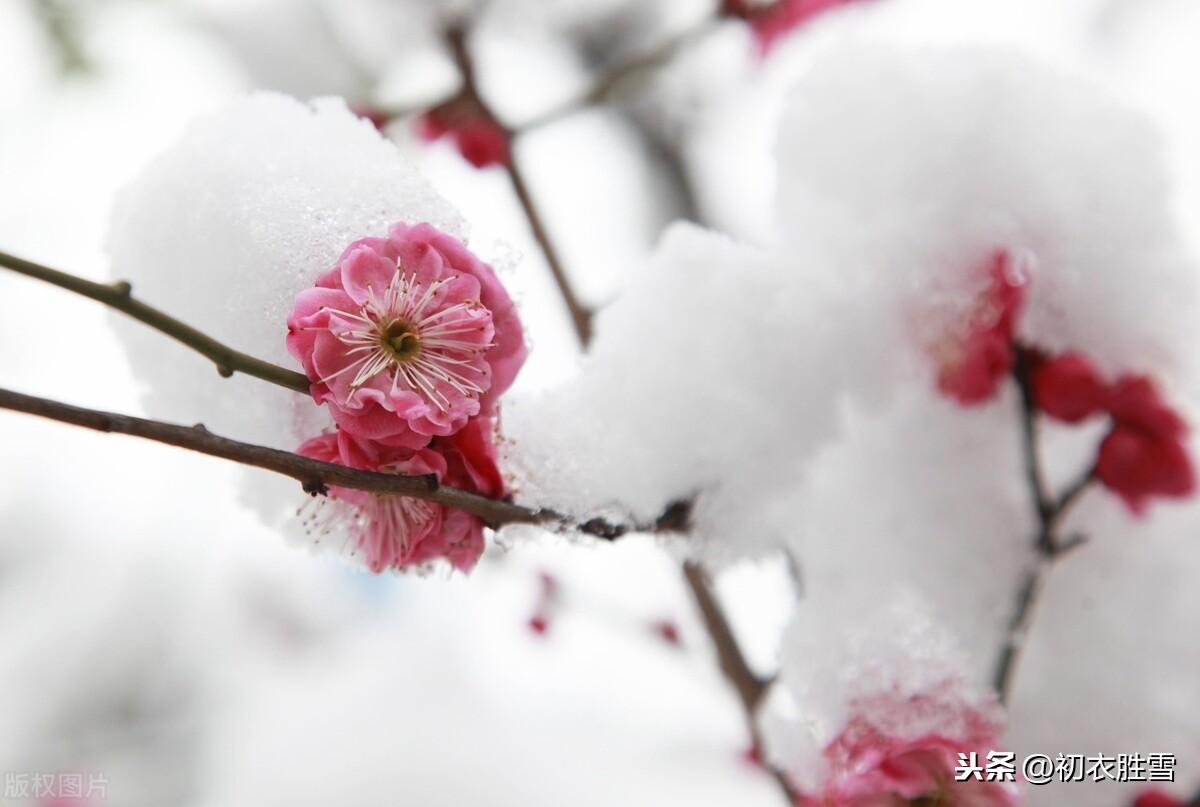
(156, 629)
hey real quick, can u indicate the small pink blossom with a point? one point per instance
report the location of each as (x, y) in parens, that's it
(407, 337)
(398, 532)
(973, 361)
(869, 764)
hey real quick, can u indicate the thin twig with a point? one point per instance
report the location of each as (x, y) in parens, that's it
(61, 26)
(749, 686)
(607, 85)
(581, 315)
(119, 295)
(1048, 545)
(317, 477)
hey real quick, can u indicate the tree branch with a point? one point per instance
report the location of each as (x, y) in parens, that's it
(119, 295)
(749, 687)
(1049, 545)
(581, 315)
(733, 664)
(316, 477)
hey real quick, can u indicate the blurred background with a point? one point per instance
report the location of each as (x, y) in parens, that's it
(161, 641)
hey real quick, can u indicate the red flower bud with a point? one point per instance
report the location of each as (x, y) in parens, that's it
(1068, 388)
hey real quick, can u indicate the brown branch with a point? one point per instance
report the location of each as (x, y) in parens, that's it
(581, 315)
(316, 476)
(1049, 544)
(60, 23)
(607, 85)
(749, 687)
(119, 295)
(733, 664)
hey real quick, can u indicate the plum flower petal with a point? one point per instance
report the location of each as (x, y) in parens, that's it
(974, 360)
(1144, 454)
(400, 532)
(1137, 403)
(1068, 387)
(481, 141)
(869, 766)
(407, 337)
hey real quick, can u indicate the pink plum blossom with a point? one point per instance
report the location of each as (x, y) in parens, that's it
(399, 532)
(407, 337)
(875, 763)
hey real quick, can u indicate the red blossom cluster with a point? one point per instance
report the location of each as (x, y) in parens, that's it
(1144, 453)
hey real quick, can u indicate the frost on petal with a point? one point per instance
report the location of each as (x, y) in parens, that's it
(229, 225)
(400, 532)
(881, 709)
(407, 337)
(974, 357)
(904, 169)
(706, 379)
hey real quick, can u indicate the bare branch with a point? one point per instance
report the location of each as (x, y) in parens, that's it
(749, 687)
(119, 295)
(581, 315)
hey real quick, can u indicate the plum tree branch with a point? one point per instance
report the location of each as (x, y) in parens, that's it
(581, 315)
(119, 296)
(1049, 543)
(749, 687)
(317, 477)
(733, 664)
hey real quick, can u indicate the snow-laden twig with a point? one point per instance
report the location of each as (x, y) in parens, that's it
(119, 295)
(733, 664)
(316, 477)
(1049, 544)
